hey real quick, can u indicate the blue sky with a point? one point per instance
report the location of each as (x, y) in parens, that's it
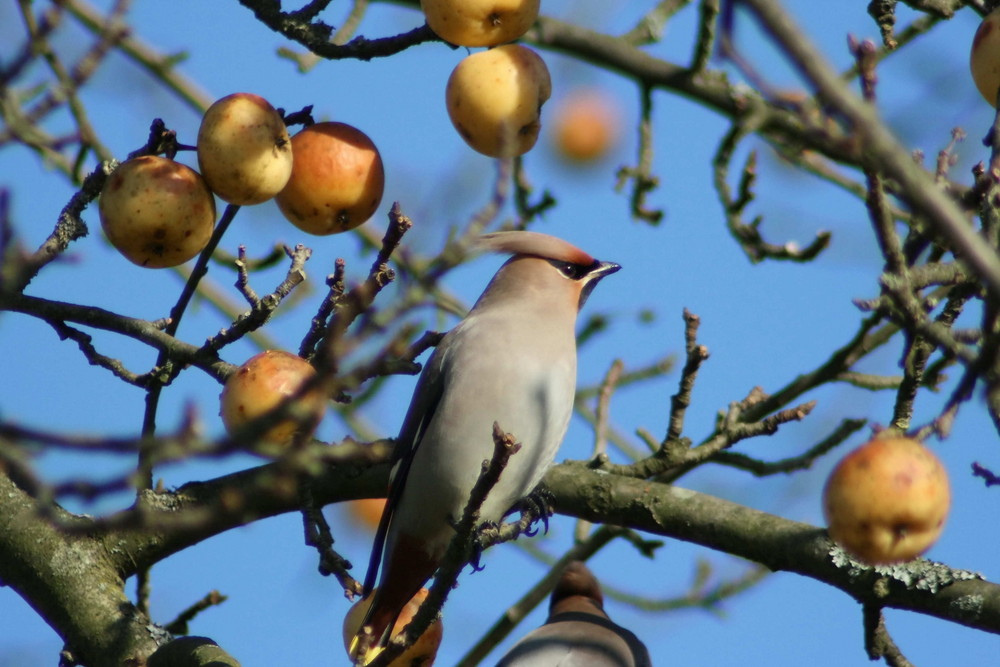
(763, 324)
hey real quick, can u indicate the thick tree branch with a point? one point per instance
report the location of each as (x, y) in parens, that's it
(709, 88)
(174, 521)
(778, 543)
(73, 582)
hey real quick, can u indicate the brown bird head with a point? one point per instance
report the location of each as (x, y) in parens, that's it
(544, 265)
(577, 590)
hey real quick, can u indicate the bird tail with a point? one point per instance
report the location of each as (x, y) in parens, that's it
(405, 572)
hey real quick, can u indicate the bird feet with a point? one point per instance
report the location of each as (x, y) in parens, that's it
(485, 537)
(536, 506)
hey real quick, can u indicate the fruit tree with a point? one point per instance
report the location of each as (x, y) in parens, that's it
(232, 231)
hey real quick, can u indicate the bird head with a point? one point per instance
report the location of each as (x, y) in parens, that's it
(545, 264)
(577, 581)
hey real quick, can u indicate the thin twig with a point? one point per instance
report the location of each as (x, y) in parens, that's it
(641, 175)
(696, 355)
(602, 413)
(878, 642)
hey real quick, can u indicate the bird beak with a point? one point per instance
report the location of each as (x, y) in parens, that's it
(594, 276)
(604, 269)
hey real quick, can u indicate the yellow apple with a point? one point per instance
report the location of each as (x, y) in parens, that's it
(887, 500)
(157, 212)
(480, 22)
(495, 99)
(244, 151)
(260, 385)
(337, 179)
(423, 651)
(984, 60)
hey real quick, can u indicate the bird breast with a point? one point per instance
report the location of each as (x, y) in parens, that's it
(519, 374)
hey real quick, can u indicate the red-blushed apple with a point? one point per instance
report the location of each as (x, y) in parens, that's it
(423, 651)
(244, 151)
(887, 501)
(480, 22)
(587, 124)
(495, 99)
(157, 212)
(984, 59)
(337, 179)
(260, 385)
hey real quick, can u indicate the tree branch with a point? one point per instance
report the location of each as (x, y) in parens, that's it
(780, 544)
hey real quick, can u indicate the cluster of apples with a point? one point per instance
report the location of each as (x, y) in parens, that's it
(326, 179)
(887, 501)
(494, 97)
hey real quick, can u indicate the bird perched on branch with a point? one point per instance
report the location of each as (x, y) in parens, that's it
(512, 361)
(578, 633)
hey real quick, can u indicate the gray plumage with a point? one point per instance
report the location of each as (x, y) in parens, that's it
(578, 632)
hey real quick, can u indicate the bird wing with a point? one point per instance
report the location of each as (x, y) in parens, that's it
(426, 398)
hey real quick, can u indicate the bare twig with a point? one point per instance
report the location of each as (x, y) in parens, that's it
(748, 234)
(261, 309)
(878, 642)
(988, 476)
(845, 430)
(160, 66)
(317, 36)
(641, 175)
(319, 536)
(167, 369)
(602, 413)
(179, 626)
(527, 210)
(696, 355)
(707, 26)
(69, 227)
(650, 27)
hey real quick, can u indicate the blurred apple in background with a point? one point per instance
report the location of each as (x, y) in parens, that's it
(366, 512)
(586, 125)
(984, 59)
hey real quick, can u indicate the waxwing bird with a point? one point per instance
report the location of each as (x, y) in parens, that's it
(512, 361)
(578, 633)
